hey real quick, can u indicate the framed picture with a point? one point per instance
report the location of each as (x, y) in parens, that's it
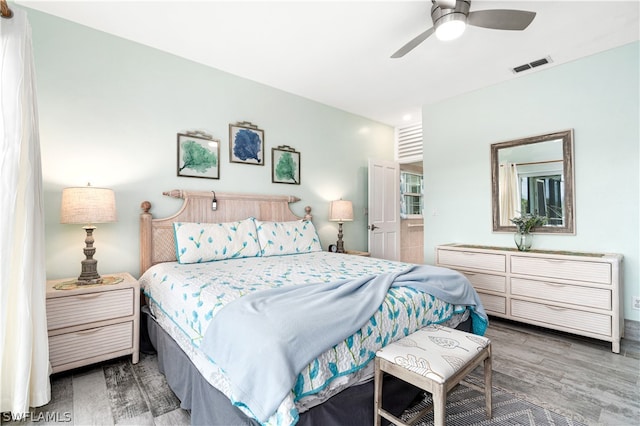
(198, 155)
(246, 143)
(285, 163)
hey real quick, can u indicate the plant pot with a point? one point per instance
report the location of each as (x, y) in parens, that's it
(523, 240)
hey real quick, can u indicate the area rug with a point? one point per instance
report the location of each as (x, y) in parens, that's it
(465, 407)
(133, 390)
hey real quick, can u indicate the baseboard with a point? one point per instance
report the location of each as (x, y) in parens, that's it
(632, 330)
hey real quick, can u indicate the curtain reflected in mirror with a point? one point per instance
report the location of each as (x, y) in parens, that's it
(509, 193)
(534, 176)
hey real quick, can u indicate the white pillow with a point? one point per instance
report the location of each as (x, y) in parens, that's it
(204, 242)
(279, 238)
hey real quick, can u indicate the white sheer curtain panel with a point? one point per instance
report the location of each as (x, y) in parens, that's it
(509, 193)
(24, 349)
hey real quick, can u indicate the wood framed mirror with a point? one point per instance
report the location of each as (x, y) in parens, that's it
(534, 175)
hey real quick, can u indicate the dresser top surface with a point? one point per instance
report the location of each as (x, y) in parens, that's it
(534, 251)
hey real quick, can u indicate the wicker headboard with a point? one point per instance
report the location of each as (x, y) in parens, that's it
(157, 243)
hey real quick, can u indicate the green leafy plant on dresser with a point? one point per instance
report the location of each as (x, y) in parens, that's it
(525, 224)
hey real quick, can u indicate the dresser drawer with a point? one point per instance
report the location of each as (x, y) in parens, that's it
(87, 308)
(566, 293)
(563, 269)
(497, 283)
(562, 318)
(71, 347)
(493, 304)
(469, 259)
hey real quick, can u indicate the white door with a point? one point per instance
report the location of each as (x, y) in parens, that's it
(384, 209)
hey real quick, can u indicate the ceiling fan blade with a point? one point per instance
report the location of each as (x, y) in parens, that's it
(501, 19)
(413, 44)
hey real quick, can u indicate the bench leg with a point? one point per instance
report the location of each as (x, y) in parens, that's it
(488, 386)
(439, 405)
(377, 393)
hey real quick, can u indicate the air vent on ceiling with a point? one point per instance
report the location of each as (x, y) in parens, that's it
(532, 64)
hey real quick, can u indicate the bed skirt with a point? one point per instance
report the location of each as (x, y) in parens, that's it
(209, 406)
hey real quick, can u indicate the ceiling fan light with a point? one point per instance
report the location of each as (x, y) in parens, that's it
(450, 29)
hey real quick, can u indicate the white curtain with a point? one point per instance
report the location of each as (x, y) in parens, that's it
(509, 193)
(24, 350)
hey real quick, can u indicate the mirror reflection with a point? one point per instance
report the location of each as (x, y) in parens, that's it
(534, 176)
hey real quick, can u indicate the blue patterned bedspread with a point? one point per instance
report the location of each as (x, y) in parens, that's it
(263, 340)
(192, 295)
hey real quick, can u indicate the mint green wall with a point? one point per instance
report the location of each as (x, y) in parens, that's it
(599, 98)
(110, 110)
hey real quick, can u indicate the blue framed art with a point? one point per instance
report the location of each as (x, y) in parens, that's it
(246, 143)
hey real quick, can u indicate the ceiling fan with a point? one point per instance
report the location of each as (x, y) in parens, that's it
(450, 18)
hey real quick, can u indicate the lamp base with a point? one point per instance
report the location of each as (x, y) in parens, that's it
(89, 274)
(340, 243)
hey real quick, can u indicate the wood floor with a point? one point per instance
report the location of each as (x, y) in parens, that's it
(577, 377)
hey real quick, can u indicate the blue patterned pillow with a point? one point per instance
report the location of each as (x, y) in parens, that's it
(279, 238)
(204, 242)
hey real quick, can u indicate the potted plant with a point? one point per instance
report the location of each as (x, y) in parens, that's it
(525, 223)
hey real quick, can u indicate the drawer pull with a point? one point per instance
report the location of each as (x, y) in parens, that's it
(88, 296)
(555, 260)
(89, 331)
(555, 285)
(556, 308)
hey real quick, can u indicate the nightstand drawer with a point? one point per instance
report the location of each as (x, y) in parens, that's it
(87, 308)
(71, 347)
(470, 259)
(599, 298)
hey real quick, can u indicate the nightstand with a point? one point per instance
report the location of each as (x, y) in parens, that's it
(92, 323)
(358, 253)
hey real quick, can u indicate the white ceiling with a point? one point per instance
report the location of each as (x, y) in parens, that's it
(337, 52)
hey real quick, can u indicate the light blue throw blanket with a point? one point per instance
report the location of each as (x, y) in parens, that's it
(264, 339)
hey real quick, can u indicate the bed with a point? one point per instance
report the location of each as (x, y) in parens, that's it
(244, 313)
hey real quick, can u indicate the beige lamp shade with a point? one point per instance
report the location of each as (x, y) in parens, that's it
(341, 211)
(87, 205)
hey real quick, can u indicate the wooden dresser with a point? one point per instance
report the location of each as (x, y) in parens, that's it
(92, 323)
(578, 293)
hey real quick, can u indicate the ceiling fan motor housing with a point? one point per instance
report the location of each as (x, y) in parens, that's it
(440, 15)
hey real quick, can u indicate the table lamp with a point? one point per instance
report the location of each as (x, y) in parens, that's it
(88, 205)
(340, 211)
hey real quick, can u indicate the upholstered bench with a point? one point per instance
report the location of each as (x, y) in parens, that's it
(435, 359)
